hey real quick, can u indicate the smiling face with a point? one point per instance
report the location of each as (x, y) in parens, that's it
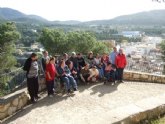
(121, 51)
(115, 49)
(86, 66)
(52, 61)
(34, 58)
(79, 55)
(71, 65)
(97, 56)
(45, 53)
(63, 63)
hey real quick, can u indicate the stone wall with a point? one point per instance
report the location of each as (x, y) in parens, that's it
(12, 103)
(143, 77)
(17, 100)
(42, 84)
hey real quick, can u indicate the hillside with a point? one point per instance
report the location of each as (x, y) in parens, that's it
(155, 17)
(9, 14)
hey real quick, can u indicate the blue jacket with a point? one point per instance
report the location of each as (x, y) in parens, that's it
(112, 57)
(62, 71)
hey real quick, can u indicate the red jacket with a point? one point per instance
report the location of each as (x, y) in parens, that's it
(52, 71)
(120, 61)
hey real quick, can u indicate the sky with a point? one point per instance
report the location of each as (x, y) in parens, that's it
(81, 10)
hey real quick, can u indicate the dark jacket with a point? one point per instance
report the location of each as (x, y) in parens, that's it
(27, 65)
(81, 62)
(43, 60)
(75, 61)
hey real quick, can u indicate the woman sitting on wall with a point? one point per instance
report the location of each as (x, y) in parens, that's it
(66, 77)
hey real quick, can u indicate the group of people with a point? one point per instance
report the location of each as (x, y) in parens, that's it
(71, 70)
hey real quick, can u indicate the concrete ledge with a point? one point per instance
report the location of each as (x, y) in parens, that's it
(145, 109)
(143, 77)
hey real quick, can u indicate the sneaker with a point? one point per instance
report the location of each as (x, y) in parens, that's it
(122, 81)
(32, 101)
(37, 97)
(75, 89)
(69, 91)
(50, 96)
(117, 81)
(112, 84)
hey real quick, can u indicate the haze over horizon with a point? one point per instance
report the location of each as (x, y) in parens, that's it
(81, 10)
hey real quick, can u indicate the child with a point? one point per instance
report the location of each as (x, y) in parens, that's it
(110, 73)
(50, 76)
(85, 73)
(94, 74)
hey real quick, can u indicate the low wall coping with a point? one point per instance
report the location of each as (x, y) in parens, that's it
(144, 73)
(8, 98)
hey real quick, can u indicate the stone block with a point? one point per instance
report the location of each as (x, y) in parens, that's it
(138, 117)
(41, 81)
(20, 104)
(136, 76)
(4, 108)
(25, 100)
(163, 80)
(3, 115)
(144, 77)
(153, 78)
(23, 94)
(126, 76)
(15, 102)
(11, 110)
(159, 80)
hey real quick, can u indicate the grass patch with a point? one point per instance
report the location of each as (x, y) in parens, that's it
(159, 121)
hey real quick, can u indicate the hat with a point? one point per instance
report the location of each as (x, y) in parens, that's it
(73, 53)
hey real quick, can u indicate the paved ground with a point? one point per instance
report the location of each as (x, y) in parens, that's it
(92, 104)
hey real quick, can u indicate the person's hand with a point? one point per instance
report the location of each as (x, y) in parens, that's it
(49, 77)
(74, 72)
(88, 79)
(64, 74)
(83, 80)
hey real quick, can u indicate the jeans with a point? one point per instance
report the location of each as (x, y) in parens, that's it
(32, 85)
(120, 73)
(50, 86)
(69, 81)
(101, 72)
(110, 75)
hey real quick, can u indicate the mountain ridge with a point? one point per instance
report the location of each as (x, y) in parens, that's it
(154, 17)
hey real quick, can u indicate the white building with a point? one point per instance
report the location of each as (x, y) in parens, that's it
(131, 34)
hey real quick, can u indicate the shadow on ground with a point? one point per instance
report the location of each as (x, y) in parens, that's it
(103, 89)
(99, 88)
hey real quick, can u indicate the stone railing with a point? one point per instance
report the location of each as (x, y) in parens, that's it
(17, 100)
(11, 103)
(143, 77)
